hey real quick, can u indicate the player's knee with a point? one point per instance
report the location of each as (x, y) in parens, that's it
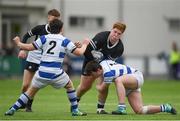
(102, 88)
(69, 86)
(142, 110)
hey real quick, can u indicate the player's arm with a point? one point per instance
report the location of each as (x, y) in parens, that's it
(34, 31)
(80, 51)
(78, 44)
(23, 46)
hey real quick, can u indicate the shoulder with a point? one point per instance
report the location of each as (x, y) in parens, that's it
(39, 29)
(40, 26)
(104, 33)
(101, 36)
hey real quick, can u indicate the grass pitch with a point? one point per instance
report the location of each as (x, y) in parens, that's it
(52, 104)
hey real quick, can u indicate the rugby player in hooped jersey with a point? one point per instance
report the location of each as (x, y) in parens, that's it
(50, 71)
(128, 82)
(33, 58)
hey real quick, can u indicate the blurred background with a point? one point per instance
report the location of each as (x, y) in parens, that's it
(153, 28)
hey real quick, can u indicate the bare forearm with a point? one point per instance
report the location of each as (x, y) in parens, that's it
(23, 46)
(80, 51)
(28, 47)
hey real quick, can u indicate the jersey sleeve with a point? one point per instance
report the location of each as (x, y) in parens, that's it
(108, 73)
(98, 41)
(69, 45)
(39, 42)
(34, 31)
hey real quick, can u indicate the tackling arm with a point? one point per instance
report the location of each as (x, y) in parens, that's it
(80, 51)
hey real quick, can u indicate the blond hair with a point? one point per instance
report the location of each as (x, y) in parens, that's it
(119, 26)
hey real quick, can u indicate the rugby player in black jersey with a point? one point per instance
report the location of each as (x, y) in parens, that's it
(105, 45)
(33, 58)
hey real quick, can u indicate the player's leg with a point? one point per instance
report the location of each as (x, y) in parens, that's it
(23, 100)
(135, 100)
(102, 95)
(64, 81)
(73, 100)
(86, 83)
(27, 77)
(128, 81)
(134, 82)
(30, 69)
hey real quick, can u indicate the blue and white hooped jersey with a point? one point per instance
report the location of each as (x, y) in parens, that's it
(55, 47)
(112, 70)
(34, 56)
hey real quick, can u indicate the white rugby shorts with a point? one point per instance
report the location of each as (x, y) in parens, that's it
(57, 83)
(140, 80)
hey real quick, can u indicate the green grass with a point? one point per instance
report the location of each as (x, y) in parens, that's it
(52, 104)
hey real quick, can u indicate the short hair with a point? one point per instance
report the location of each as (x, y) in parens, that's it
(54, 12)
(55, 26)
(92, 66)
(119, 26)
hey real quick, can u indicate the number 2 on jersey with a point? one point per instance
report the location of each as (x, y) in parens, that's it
(53, 44)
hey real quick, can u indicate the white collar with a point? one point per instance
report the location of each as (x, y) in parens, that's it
(108, 41)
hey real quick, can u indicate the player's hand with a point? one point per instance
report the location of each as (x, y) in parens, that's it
(16, 40)
(22, 54)
(78, 44)
(86, 41)
(97, 55)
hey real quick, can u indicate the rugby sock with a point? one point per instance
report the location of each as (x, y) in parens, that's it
(100, 105)
(29, 104)
(73, 99)
(122, 106)
(78, 99)
(22, 101)
(166, 108)
(162, 108)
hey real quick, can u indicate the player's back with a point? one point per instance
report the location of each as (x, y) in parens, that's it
(54, 48)
(111, 69)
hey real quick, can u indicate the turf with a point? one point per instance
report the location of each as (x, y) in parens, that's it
(52, 104)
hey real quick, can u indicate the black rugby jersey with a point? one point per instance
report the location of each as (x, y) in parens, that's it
(100, 43)
(36, 31)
